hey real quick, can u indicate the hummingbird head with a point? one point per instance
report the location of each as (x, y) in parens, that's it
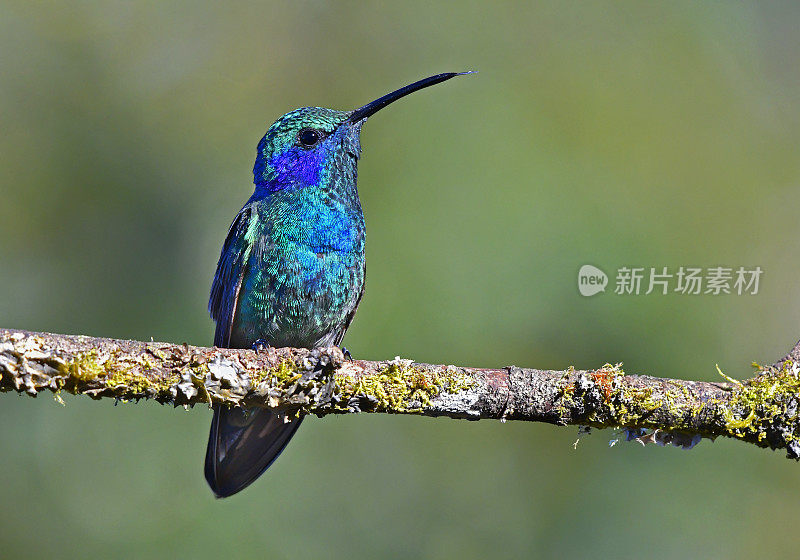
(315, 147)
(303, 147)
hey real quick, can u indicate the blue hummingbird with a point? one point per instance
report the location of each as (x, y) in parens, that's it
(291, 271)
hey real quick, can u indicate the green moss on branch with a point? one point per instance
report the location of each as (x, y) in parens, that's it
(762, 410)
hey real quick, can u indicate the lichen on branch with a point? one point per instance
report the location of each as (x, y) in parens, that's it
(762, 410)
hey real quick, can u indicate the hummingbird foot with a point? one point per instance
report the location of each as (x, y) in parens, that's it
(347, 355)
(260, 345)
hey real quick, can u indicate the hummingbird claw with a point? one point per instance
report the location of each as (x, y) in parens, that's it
(347, 355)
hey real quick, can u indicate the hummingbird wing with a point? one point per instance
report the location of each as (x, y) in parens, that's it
(242, 443)
(230, 273)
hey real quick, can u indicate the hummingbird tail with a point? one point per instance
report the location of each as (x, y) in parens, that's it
(242, 444)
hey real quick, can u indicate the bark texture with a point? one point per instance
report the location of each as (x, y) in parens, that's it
(762, 410)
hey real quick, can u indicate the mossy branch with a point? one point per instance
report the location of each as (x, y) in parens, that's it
(762, 410)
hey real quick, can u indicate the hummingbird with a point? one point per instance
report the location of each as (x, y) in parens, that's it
(291, 271)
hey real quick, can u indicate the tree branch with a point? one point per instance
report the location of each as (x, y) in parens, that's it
(762, 410)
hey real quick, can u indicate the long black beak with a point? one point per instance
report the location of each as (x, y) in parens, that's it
(381, 102)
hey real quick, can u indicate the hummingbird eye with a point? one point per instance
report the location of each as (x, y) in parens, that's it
(309, 137)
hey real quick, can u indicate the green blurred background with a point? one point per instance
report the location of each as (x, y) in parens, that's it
(638, 134)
